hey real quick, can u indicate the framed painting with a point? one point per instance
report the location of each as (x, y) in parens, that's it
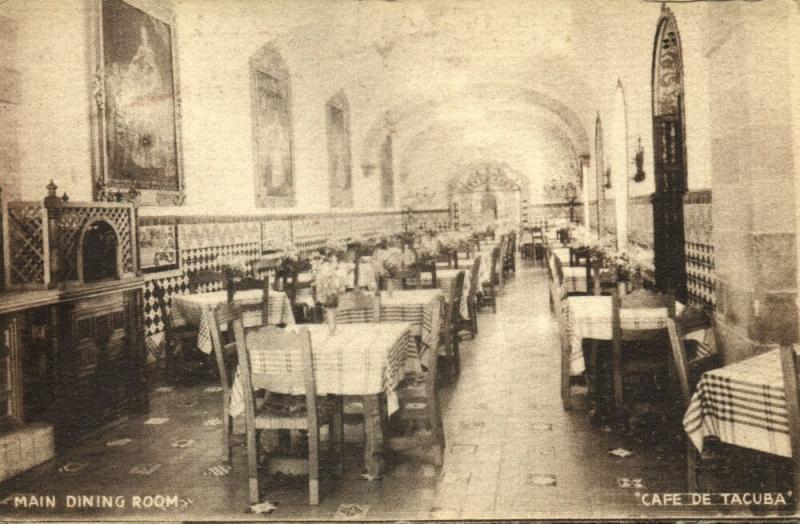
(138, 104)
(158, 247)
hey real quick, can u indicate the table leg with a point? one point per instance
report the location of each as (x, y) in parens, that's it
(374, 437)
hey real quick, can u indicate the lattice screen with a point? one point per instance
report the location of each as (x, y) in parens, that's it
(27, 258)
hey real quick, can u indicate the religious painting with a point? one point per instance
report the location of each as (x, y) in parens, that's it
(140, 115)
(158, 247)
(273, 137)
(339, 168)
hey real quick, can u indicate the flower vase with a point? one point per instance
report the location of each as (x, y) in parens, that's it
(330, 319)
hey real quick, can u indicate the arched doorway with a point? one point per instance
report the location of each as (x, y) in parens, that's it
(488, 206)
(669, 150)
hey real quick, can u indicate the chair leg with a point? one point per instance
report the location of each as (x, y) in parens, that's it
(226, 435)
(565, 389)
(337, 433)
(313, 466)
(252, 465)
(691, 467)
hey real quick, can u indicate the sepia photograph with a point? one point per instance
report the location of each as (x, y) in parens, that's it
(399, 260)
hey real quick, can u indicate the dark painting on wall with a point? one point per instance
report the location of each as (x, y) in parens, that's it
(273, 137)
(140, 104)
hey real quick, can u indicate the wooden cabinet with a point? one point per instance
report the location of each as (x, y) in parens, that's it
(101, 361)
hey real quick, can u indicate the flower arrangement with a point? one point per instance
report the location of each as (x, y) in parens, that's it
(427, 246)
(335, 249)
(329, 283)
(391, 262)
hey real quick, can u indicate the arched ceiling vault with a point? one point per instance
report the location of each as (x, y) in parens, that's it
(474, 102)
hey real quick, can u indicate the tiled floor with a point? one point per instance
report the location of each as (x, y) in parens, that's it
(513, 452)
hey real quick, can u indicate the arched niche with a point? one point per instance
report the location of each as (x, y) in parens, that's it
(273, 139)
(99, 254)
(387, 172)
(599, 176)
(340, 172)
(619, 163)
(669, 157)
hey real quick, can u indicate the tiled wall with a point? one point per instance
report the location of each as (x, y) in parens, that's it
(698, 240)
(201, 240)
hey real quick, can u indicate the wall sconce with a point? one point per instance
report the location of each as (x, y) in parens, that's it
(607, 178)
(639, 161)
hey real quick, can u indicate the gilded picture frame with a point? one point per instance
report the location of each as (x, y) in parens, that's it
(137, 115)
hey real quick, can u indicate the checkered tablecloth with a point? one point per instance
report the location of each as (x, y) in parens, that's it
(743, 404)
(416, 306)
(188, 310)
(590, 318)
(444, 281)
(357, 359)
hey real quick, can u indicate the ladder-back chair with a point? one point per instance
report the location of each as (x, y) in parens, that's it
(452, 322)
(300, 408)
(418, 398)
(691, 360)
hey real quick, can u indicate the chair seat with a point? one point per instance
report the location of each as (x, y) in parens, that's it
(289, 412)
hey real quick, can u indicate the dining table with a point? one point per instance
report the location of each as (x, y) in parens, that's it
(191, 309)
(742, 404)
(363, 360)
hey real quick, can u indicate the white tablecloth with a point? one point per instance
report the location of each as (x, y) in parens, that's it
(358, 359)
(590, 317)
(743, 404)
(188, 310)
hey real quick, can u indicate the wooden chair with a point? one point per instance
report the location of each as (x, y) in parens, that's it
(300, 409)
(791, 369)
(248, 283)
(452, 322)
(179, 341)
(691, 361)
(418, 398)
(558, 297)
(489, 295)
(471, 324)
(636, 350)
(501, 262)
(509, 257)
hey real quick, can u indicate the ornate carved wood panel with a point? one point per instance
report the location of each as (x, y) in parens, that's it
(669, 150)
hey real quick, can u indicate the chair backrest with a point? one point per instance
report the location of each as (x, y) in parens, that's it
(247, 283)
(222, 315)
(275, 359)
(454, 301)
(494, 276)
(645, 330)
(678, 329)
(207, 279)
(358, 306)
(431, 357)
(559, 276)
(474, 277)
